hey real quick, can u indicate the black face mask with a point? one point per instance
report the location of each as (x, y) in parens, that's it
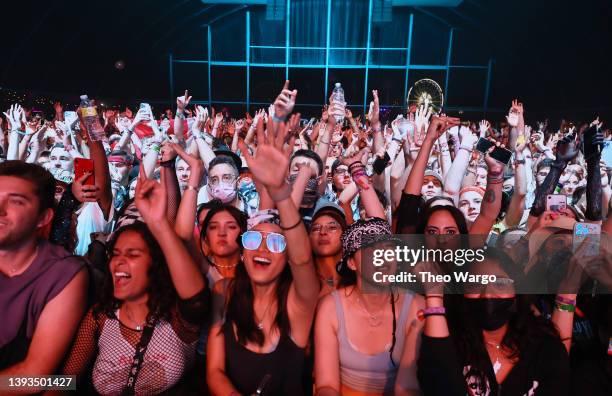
(491, 313)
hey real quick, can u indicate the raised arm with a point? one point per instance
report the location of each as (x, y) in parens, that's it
(491, 203)
(516, 208)
(437, 126)
(456, 173)
(181, 103)
(186, 217)
(151, 201)
(269, 167)
(592, 148)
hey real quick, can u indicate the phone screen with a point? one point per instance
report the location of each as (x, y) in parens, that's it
(588, 236)
(81, 166)
(502, 155)
(606, 154)
(483, 145)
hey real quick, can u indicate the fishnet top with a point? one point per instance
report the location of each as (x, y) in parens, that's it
(169, 355)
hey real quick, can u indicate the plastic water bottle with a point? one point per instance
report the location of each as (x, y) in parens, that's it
(91, 120)
(338, 99)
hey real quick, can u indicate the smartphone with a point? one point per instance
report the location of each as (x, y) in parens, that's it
(499, 153)
(589, 234)
(82, 166)
(556, 202)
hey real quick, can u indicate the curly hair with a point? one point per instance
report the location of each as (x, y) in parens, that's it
(162, 295)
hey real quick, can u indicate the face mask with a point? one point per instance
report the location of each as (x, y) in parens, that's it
(226, 192)
(491, 313)
(311, 192)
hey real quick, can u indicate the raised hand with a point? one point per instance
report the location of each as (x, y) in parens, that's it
(270, 163)
(57, 106)
(593, 141)
(483, 127)
(494, 167)
(567, 148)
(85, 192)
(141, 115)
(348, 114)
(422, 117)
(516, 110)
(360, 156)
(439, 125)
(14, 115)
(374, 114)
(284, 103)
(183, 101)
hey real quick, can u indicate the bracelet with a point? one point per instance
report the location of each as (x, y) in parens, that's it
(352, 164)
(565, 300)
(434, 296)
(155, 148)
(292, 227)
(519, 162)
(466, 149)
(424, 313)
(357, 174)
(192, 188)
(278, 119)
(565, 307)
(180, 115)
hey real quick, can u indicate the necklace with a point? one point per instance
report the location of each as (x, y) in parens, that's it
(373, 320)
(222, 266)
(140, 326)
(497, 365)
(263, 317)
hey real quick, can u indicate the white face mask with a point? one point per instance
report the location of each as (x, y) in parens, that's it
(226, 192)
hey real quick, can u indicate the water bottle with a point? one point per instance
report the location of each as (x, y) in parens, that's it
(340, 103)
(91, 120)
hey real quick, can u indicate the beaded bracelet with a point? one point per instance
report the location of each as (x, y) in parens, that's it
(422, 314)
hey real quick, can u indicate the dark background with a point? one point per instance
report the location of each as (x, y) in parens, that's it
(552, 55)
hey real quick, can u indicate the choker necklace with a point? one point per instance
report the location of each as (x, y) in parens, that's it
(221, 266)
(497, 365)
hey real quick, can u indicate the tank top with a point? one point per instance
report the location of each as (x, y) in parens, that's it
(24, 297)
(166, 360)
(246, 369)
(370, 373)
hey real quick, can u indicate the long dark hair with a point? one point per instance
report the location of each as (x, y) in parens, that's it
(239, 309)
(162, 295)
(453, 211)
(525, 330)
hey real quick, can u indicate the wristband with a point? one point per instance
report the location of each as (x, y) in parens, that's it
(495, 180)
(519, 162)
(192, 188)
(424, 313)
(292, 227)
(565, 307)
(155, 148)
(180, 115)
(565, 300)
(278, 119)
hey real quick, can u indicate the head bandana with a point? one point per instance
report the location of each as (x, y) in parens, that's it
(361, 234)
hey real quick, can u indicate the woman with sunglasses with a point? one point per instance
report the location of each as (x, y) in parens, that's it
(365, 341)
(142, 334)
(271, 301)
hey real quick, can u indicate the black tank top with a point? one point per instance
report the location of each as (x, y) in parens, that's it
(246, 369)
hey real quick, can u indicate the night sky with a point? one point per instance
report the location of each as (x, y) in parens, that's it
(553, 55)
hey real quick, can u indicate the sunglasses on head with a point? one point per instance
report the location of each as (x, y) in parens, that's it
(251, 240)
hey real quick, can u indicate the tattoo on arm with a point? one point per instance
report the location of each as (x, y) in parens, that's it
(489, 196)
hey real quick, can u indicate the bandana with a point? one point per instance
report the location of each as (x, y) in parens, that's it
(361, 234)
(478, 190)
(118, 158)
(270, 216)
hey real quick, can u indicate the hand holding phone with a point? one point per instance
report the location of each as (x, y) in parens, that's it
(499, 154)
(556, 202)
(82, 166)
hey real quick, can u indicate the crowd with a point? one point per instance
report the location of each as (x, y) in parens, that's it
(188, 252)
